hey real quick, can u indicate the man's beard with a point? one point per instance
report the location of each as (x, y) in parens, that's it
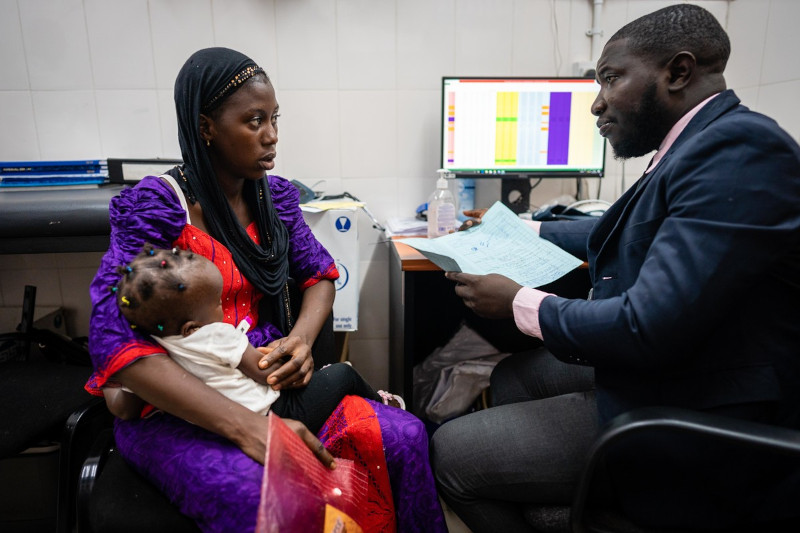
(648, 125)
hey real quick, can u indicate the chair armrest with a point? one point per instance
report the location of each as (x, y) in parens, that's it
(90, 471)
(80, 431)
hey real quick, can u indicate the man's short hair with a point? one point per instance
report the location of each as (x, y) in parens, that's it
(682, 27)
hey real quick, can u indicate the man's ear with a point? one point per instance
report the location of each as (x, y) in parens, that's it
(189, 327)
(681, 69)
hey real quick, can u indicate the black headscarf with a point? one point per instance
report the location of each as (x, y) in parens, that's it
(206, 80)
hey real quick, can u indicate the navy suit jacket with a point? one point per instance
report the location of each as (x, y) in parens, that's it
(695, 273)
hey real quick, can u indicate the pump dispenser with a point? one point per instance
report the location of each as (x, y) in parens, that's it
(441, 208)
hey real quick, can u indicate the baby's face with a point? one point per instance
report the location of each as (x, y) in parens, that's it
(205, 291)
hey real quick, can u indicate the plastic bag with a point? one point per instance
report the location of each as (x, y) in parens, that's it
(299, 493)
(451, 378)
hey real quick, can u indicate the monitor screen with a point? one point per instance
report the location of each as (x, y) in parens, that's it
(520, 127)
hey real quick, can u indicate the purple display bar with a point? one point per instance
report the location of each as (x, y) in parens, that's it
(558, 131)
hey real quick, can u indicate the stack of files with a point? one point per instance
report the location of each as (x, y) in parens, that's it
(52, 173)
(410, 226)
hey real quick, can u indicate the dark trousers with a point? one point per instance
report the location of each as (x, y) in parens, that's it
(313, 404)
(528, 448)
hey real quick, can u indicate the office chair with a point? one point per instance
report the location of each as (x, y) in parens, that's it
(112, 497)
(42, 386)
(659, 470)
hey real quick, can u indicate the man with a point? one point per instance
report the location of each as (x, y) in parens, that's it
(695, 273)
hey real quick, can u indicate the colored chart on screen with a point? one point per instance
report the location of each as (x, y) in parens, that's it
(506, 125)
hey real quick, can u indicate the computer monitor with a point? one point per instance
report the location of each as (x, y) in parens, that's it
(520, 128)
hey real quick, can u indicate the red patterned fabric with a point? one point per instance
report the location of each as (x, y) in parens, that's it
(353, 432)
(239, 299)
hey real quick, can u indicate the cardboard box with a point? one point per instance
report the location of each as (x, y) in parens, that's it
(337, 230)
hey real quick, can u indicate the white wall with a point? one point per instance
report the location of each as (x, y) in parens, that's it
(359, 86)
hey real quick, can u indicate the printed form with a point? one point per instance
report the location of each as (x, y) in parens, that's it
(501, 244)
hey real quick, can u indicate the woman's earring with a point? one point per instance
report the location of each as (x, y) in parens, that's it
(208, 143)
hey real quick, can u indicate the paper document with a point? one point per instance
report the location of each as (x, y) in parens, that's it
(501, 244)
(326, 205)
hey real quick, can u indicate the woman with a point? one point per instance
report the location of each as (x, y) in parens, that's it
(222, 205)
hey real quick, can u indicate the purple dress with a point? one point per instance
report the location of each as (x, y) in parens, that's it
(209, 478)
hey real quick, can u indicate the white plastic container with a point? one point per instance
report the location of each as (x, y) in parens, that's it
(441, 209)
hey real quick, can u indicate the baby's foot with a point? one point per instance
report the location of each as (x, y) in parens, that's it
(392, 399)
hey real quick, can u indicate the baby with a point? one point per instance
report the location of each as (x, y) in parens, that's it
(175, 297)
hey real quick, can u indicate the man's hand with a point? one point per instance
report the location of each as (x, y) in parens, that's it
(489, 296)
(295, 364)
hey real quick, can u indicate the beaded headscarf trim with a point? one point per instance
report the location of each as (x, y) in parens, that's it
(237, 80)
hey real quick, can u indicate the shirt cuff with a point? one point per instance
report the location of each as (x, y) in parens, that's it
(535, 225)
(526, 310)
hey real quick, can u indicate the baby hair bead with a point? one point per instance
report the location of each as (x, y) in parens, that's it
(125, 301)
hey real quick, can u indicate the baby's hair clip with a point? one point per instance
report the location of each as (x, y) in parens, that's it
(151, 251)
(181, 287)
(125, 301)
(175, 251)
(114, 288)
(128, 269)
(160, 327)
(133, 326)
(163, 264)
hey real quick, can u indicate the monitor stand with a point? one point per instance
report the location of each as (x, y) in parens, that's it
(515, 193)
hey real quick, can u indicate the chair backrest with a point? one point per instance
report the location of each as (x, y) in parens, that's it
(673, 469)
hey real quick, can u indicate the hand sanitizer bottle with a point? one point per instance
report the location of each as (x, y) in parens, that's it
(441, 209)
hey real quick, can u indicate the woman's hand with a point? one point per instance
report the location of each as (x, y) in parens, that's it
(489, 296)
(254, 445)
(288, 362)
(311, 441)
(475, 218)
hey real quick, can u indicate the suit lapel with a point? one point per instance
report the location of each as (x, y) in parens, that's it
(616, 216)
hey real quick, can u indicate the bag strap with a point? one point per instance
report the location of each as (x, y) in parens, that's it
(181, 198)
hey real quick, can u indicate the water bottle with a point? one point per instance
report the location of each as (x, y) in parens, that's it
(441, 209)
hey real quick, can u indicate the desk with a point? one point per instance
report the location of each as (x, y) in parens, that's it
(425, 313)
(55, 220)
